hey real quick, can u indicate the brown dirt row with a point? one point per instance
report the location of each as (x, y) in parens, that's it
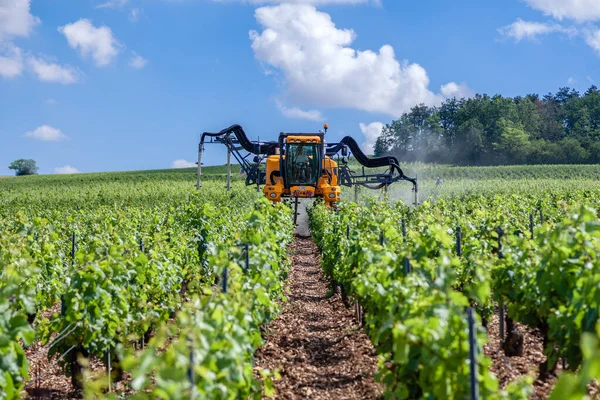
(507, 369)
(315, 343)
(46, 378)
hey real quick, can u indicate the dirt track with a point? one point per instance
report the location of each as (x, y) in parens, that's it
(315, 343)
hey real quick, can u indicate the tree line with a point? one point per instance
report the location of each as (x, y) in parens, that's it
(561, 128)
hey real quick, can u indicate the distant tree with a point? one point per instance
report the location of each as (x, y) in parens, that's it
(513, 142)
(594, 153)
(448, 114)
(381, 147)
(24, 167)
(545, 152)
(573, 152)
(402, 133)
(550, 112)
(565, 95)
(591, 100)
(469, 148)
(528, 116)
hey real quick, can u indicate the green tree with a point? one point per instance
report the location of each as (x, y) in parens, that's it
(591, 101)
(500, 109)
(402, 133)
(24, 167)
(528, 116)
(594, 153)
(513, 143)
(382, 146)
(544, 152)
(449, 121)
(550, 112)
(468, 147)
(573, 152)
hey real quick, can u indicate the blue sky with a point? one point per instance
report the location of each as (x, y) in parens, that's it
(110, 85)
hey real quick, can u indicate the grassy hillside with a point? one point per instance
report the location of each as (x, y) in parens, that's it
(181, 175)
(108, 188)
(456, 180)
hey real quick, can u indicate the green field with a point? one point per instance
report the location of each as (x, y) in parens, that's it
(144, 283)
(456, 181)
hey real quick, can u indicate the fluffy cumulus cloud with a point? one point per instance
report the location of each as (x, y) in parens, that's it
(371, 132)
(320, 67)
(49, 72)
(579, 10)
(137, 61)
(16, 18)
(99, 43)
(181, 163)
(455, 90)
(46, 133)
(67, 169)
(11, 61)
(298, 113)
(520, 29)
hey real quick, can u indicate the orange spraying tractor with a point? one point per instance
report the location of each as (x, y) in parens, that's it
(303, 165)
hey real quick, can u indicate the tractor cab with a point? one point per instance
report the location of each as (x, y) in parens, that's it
(302, 161)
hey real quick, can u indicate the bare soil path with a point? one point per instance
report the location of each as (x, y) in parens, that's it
(315, 343)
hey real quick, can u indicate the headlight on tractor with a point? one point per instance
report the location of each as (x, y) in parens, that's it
(332, 195)
(273, 195)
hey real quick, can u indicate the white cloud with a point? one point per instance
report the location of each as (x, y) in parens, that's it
(579, 10)
(181, 163)
(51, 101)
(520, 29)
(46, 133)
(50, 72)
(67, 169)
(89, 40)
(16, 18)
(592, 38)
(454, 90)
(137, 61)
(320, 68)
(572, 81)
(113, 4)
(11, 61)
(297, 113)
(371, 132)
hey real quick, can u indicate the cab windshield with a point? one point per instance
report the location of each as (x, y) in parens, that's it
(302, 164)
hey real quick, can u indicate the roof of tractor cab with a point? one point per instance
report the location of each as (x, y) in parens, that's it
(296, 138)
